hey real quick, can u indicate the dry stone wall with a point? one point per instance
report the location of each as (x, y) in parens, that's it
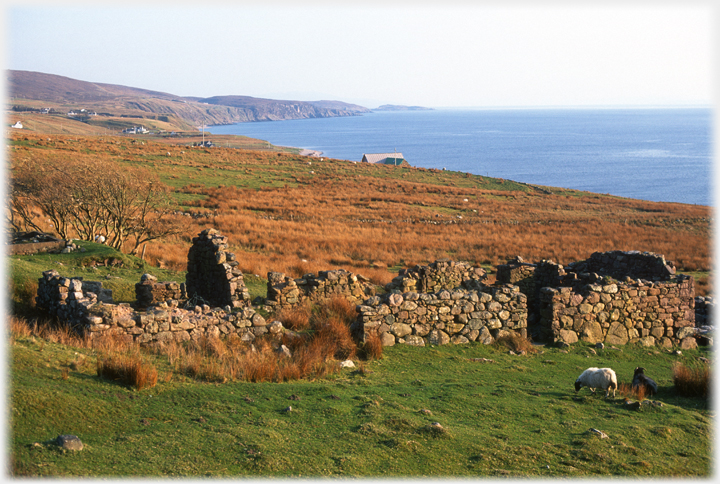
(620, 264)
(64, 298)
(285, 292)
(598, 300)
(441, 274)
(149, 292)
(598, 309)
(457, 316)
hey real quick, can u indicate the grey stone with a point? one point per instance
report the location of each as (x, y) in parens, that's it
(69, 442)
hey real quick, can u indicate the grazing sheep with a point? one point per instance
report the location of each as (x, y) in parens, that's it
(640, 380)
(597, 378)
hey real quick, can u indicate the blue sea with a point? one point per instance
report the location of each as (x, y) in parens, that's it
(662, 155)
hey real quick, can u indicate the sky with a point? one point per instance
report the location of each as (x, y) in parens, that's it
(435, 54)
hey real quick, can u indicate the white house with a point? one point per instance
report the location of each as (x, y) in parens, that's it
(17, 125)
(383, 158)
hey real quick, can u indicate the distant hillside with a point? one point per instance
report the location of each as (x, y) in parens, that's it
(258, 109)
(396, 107)
(36, 89)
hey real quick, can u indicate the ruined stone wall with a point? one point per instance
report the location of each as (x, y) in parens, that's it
(63, 297)
(620, 264)
(285, 292)
(598, 309)
(704, 308)
(34, 248)
(441, 274)
(212, 273)
(457, 316)
(149, 292)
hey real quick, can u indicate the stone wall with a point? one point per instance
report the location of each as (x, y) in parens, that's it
(441, 274)
(285, 292)
(598, 300)
(599, 309)
(149, 292)
(212, 274)
(64, 298)
(457, 316)
(704, 309)
(35, 248)
(620, 264)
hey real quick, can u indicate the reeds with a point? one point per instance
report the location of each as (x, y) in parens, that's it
(691, 381)
(127, 368)
(626, 390)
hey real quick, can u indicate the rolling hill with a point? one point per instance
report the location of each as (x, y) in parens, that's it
(36, 90)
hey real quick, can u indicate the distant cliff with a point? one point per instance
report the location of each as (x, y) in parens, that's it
(59, 92)
(246, 108)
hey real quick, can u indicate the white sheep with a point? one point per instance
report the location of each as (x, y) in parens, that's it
(597, 378)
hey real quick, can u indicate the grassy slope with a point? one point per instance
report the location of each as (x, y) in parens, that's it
(516, 416)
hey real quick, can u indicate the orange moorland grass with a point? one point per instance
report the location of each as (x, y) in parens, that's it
(381, 234)
(692, 381)
(19, 328)
(296, 318)
(367, 218)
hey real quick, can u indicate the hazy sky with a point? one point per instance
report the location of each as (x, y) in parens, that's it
(437, 54)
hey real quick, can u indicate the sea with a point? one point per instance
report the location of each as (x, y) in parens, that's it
(655, 154)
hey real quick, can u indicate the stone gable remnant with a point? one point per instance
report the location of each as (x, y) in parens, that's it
(212, 273)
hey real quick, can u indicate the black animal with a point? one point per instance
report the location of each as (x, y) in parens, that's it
(640, 380)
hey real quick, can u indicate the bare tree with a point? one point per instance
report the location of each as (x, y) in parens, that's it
(126, 204)
(46, 187)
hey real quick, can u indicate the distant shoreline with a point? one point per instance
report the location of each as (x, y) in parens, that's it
(314, 153)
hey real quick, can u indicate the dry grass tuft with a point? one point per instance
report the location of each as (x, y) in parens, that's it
(626, 390)
(372, 348)
(20, 328)
(129, 369)
(691, 381)
(515, 342)
(296, 318)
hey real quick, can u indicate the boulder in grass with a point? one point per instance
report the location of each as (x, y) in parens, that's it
(69, 442)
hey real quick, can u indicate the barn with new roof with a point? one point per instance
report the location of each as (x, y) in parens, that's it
(383, 158)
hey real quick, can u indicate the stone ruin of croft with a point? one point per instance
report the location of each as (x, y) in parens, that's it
(613, 298)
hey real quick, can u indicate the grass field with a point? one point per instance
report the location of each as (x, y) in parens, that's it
(511, 416)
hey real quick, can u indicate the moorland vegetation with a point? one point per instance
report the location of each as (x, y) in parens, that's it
(294, 214)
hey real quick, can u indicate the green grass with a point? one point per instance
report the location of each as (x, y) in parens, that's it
(29, 268)
(516, 416)
(25, 271)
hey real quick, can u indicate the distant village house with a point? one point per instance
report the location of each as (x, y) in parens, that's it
(135, 130)
(383, 158)
(17, 125)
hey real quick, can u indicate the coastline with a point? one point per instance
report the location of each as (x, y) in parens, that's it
(313, 153)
